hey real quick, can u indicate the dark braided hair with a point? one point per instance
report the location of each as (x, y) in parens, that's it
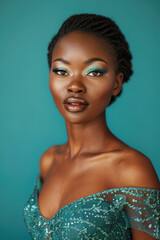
(103, 27)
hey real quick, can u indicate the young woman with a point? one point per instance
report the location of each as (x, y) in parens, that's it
(94, 186)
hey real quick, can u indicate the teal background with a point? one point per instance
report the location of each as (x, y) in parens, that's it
(30, 122)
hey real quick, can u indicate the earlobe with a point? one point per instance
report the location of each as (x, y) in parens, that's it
(118, 84)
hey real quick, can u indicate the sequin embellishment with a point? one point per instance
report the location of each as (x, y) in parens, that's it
(107, 215)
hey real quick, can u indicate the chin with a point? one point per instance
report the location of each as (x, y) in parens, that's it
(77, 119)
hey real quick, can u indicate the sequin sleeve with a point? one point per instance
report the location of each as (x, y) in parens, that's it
(142, 210)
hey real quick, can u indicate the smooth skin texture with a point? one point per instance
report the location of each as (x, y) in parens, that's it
(93, 159)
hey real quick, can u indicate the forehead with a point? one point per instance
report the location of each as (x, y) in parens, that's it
(80, 44)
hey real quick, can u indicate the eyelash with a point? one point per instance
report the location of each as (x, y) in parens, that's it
(59, 70)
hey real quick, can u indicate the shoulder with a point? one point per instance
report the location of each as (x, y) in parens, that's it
(46, 160)
(136, 169)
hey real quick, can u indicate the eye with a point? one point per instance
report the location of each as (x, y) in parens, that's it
(95, 73)
(60, 72)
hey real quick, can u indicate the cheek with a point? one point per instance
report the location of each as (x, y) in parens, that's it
(103, 93)
(56, 89)
(54, 86)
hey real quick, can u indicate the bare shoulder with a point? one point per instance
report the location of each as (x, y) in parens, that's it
(47, 160)
(136, 169)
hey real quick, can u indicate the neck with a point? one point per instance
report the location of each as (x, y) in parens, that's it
(88, 137)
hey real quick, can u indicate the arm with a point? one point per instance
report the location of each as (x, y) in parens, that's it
(139, 235)
(139, 172)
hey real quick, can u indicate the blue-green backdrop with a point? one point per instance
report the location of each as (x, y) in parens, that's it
(30, 122)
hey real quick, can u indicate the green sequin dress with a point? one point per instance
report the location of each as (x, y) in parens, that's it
(107, 215)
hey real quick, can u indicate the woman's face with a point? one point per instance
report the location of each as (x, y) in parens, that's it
(94, 81)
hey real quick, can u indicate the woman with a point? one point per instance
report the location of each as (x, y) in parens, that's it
(94, 186)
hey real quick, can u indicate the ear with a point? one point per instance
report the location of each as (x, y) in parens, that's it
(118, 84)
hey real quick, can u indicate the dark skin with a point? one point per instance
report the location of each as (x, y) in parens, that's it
(93, 159)
(97, 91)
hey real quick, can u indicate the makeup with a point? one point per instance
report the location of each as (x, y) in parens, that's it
(75, 108)
(55, 70)
(91, 69)
(96, 69)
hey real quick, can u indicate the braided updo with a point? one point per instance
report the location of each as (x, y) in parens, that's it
(103, 27)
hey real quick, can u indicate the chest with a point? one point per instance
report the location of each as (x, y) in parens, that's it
(98, 216)
(68, 182)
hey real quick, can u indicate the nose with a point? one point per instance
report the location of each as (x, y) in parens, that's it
(76, 87)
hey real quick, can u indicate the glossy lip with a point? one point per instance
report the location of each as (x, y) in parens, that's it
(75, 108)
(75, 100)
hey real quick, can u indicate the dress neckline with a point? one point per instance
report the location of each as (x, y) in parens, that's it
(82, 198)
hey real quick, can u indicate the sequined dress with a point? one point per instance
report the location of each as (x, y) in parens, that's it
(107, 215)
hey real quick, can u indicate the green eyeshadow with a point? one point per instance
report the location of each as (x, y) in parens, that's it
(96, 69)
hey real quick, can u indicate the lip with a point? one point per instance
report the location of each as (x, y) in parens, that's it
(81, 104)
(75, 108)
(79, 100)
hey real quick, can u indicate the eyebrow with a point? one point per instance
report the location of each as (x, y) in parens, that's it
(86, 62)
